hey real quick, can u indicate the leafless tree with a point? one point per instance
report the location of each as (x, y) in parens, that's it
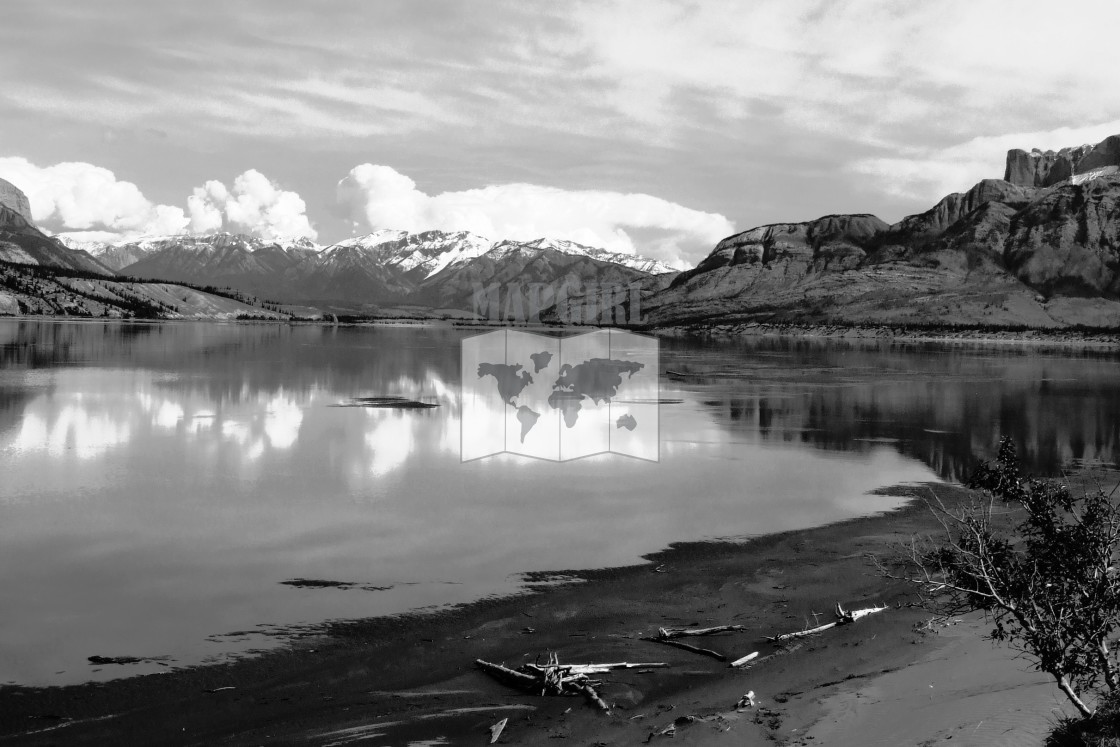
(1040, 561)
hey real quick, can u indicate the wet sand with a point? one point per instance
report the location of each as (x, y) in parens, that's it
(411, 680)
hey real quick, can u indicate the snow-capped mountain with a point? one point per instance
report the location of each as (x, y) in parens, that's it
(221, 259)
(121, 254)
(523, 269)
(633, 261)
(112, 256)
(380, 267)
(420, 255)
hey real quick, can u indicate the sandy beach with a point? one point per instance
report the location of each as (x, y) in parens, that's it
(412, 680)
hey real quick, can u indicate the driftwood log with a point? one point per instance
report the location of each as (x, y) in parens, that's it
(681, 632)
(577, 669)
(554, 678)
(688, 647)
(508, 676)
(667, 636)
(741, 661)
(843, 617)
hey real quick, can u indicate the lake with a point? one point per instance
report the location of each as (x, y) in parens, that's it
(159, 483)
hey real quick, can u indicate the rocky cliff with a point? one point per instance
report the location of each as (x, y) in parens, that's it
(1048, 168)
(21, 242)
(1039, 249)
(950, 209)
(1068, 241)
(834, 240)
(13, 198)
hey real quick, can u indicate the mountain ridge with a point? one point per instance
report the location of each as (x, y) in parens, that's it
(999, 253)
(1040, 248)
(379, 268)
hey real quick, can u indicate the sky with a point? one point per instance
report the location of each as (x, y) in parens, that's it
(650, 126)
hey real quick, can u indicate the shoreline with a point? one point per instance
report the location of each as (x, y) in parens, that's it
(1062, 337)
(901, 333)
(411, 677)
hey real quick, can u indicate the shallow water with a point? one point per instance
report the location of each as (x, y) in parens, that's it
(160, 483)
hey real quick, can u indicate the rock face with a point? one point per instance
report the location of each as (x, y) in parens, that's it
(1040, 249)
(951, 209)
(1068, 242)
(1045, 169)
(516, 269)
(798, 247)
(22, 243)
(15, 200)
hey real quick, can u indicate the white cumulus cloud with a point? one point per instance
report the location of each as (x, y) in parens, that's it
(80, 196)
(253, 205)
(89, 202)
(376, 196)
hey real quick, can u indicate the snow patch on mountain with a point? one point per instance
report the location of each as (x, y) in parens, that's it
(416, 255)
(633, 261)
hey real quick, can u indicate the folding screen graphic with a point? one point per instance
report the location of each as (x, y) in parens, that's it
(559, 398)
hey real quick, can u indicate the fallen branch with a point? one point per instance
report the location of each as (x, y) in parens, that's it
(801, 633)
(593, 696)
(745, 659)
(554, 678)
(781, 652)
(688, 647)
(681, 632)
(843, 618)
(857, 614)
(509, 676)
(598, 668)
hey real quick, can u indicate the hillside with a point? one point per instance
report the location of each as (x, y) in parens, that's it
(22, 243)
(529, 275)
(1039, 248)
(41, 275)
(27, 290)
(998, 254)
(376, 272)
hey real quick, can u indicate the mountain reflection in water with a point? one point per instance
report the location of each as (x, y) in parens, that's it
(944, 404)
(162, 482)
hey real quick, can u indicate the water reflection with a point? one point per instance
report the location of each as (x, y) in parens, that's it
(161, 481)
(945, 404)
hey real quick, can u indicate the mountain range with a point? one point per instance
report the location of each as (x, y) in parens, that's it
(1032, 250)
(1039, 248)
(435, 269)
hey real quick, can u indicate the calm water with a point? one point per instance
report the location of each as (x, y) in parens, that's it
(159, 482)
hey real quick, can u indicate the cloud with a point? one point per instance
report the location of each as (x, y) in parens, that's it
(88, 202)
(376, 196)
(81, 196)
(254, 205)
(747, 109)
(873, 62)
(931, 173)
